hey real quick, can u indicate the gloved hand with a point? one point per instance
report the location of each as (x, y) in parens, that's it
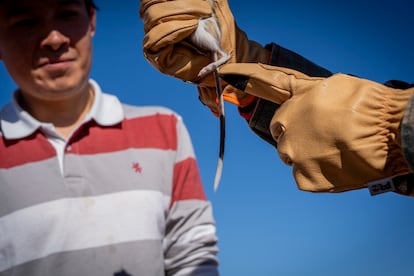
(166, 45)
(338, 133)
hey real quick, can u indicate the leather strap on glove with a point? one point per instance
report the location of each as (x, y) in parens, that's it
(166, 44)
(338, 133)
(259, 113)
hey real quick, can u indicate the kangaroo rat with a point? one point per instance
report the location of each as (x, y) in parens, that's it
(207, 36)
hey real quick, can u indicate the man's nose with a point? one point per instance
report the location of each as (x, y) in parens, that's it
(54, 40)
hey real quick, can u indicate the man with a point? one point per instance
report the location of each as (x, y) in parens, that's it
(90, 186)
(338, 132)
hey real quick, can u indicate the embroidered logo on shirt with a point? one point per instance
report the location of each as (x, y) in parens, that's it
(136, 167)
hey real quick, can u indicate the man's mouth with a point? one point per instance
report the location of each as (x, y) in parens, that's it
(56, 64)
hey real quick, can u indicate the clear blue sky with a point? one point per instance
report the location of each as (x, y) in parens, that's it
(266, 226)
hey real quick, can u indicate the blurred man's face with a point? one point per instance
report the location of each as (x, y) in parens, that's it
(46, 45)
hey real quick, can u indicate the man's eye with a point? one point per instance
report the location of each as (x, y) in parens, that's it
(24, 22)
(69, 14)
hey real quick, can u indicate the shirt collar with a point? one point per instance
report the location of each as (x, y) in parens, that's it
(16, 123)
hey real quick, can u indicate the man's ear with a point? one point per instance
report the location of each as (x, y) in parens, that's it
(92, 16)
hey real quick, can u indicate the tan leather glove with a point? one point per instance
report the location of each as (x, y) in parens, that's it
(338, 133)
(166, 45)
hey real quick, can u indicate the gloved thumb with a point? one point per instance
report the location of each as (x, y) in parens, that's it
(272, 83)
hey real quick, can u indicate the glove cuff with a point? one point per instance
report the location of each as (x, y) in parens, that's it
(283, 57)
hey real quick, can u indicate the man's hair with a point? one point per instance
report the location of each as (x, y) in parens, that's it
(90, 4)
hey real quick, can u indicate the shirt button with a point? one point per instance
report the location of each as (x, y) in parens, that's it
(69, 148)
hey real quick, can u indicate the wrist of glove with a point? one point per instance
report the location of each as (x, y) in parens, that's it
(168, 26)
(338, 133)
